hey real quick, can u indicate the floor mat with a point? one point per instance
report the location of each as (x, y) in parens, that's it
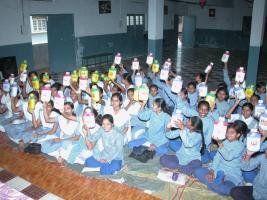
(15, 187)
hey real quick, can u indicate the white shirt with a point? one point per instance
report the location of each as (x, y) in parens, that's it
(133, 109)
(27, 115)
(44, 123)
(28, 87)
(121, 118)
(67, 127)
(6, 101)
(235, 117)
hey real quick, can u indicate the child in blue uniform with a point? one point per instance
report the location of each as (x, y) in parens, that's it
(224, 172)
(258, 190)
(188, 157)
(246, 116)
(208, 124)
(110, 158)
(153, 94)
(222, 105)
(192, 94)
(154, 137)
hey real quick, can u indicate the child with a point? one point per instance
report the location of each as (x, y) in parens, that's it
(61, 146)
(261, 90)
(54, 90)
(43, 81)
(208, 124)
(224, 172)
(43, 130)
(158, 119)
(126, 83)
(258, 190)
(27, 87)
(199, 78)
(153, 94)
(230, 83)
(120, 115)
(110, 158)
(192, 94)
(246, 116)
(16, 131)
(255, 99)
(164, 89)
(80, 151)
(187, 158)
(132, 107)
(222, 106)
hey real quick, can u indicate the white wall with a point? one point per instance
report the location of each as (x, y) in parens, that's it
(88, 22)
(226, 18)
(12, 24)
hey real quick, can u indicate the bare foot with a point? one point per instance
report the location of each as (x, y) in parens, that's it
(21, 146)
(60, 161)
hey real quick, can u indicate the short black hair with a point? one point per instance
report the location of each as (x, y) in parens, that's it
(108, 117)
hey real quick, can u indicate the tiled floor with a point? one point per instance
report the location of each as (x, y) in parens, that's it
(189, 61)
(60, 181)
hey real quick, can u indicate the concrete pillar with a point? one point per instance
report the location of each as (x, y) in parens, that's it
(155, 27)
(256, 39)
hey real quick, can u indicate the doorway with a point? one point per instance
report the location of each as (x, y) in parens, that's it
(53, 42)
(136, 34)
(39, 42)
(61, 42)
(178, 27)
(189, 31)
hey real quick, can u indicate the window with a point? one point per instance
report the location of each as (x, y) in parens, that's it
(131, 20)
(141, 20)
(38, 24)
(135, 20)
(128, 20)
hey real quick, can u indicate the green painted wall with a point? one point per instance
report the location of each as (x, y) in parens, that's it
(21, 51)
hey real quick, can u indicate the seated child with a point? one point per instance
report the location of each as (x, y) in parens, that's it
(188, 157)
(110, 158)
(224, 173)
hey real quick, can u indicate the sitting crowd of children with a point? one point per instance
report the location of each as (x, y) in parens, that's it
(89, 119)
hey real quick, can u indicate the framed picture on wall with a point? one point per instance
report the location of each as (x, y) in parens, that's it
(104, 7)
(212, 12)
(166, 10)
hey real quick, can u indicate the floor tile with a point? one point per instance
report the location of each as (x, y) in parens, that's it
(34, 192)
(18, 183)
(6, 176)
(50, 196)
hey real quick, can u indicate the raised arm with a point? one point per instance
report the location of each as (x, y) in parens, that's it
(47, 118)
(228, 114)
(226, 78)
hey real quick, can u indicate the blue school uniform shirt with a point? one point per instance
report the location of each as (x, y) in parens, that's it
(228, 159)
(208, 121)
(112, 145)
(193, 98)
(263, 97)
(157, 126)
(251, 122)
(163, 91)
(222, 107)
(260, 181)
(191, 145)
(151, 99)
(226, 79)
